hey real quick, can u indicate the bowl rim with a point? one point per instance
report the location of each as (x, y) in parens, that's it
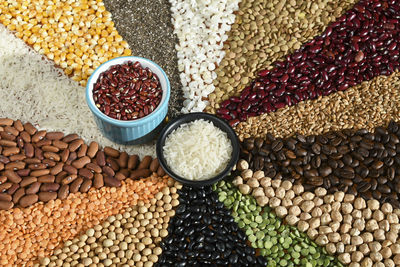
(190, 117)
(131, 123)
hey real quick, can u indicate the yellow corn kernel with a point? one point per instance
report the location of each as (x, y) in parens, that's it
(118, 38)
(68, 71)
(101, 41)
(50, 55)
(78, 53)
(110, 39)
(127, 52)
(125, 44)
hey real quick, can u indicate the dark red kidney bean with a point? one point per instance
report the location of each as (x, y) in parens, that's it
(353, 41)
(117, 103)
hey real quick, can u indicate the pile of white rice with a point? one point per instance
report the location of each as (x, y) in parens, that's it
(197, 150)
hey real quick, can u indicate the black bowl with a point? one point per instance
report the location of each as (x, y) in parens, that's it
(172, 125)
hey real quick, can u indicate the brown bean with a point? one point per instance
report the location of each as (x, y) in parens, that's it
(28, 181)
(4, 159)
(98, 181)
(133, 161)
(39, 153)
(120, 176)
(11, 130)
(123, 159)
(23, 172)
(46, 179)
(18, 125)
(82, 150)
(61, 176)
(6, 205)
(6, 122)
(74, 145)
(49, 163)
(140, 173)
(63, 192)
(47, 196)
(38, 173)
(72, 157)
(54, 135)
(108, 170)
(49, 187)
(17, 195)
(38, 136)
(69, 179)
(7, 136)
(12, 189)
(7, 143)
(29, 150)
(86, 185)
(3, 179)
(5, 197)
(160, 171)
(110, 181)
(74, 187)
(81, 162)
(33, 188)
(12, 176)
(57, 169)
(86, 173)
(20, 142)
(92, 150)
(28, 200)
(101, 158)
(154, 165)
(125, 172)
(43, 142)
(37, 166)
(1, 166)
(93, 167)
(70, 169)
(5, 186)
(52, 156)
(17, 157)
(30, 128)
(10, 151)
(145, 163)
(48, 148)
(25, 136)
(32, 161)
(69, 138)
(59, 144)
(113, 163)
(64, 155)
(111, 152)
(19, 165)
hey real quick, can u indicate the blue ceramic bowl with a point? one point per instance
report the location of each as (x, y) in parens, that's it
(136, 131)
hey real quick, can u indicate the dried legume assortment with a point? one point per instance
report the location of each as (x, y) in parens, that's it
(77, 35)
(36, 165)
(358, 162)
(282, 244)
(264, 32)
(201, 28)
(129, 238)
(127, 91)
(364, 106)
(358, 231)
(29, 233)
(347, 53)
(203, 233)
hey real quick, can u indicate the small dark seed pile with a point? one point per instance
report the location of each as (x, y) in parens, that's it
(357, 162)
(360, 45)
(203, 233)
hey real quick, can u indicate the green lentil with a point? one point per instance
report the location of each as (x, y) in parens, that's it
(282, 244)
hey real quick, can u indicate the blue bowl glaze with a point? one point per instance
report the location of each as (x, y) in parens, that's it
(136, 131)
